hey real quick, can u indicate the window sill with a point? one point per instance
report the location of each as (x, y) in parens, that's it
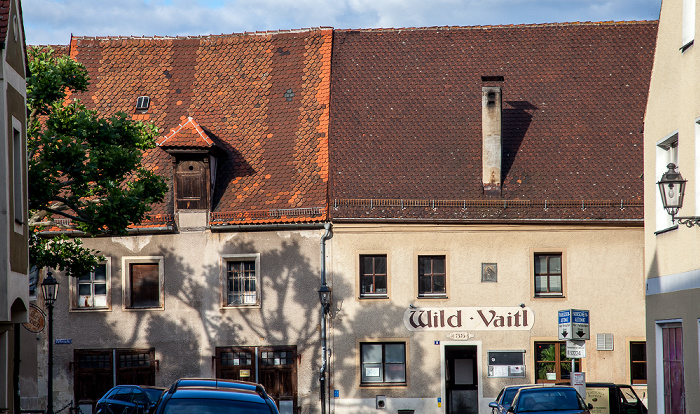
(439, 296)
(666, 230)
(241, 306)
(550, 296)
(161, 308)
(686, 46)
(85, 309)
(375, 296)
(385, 385)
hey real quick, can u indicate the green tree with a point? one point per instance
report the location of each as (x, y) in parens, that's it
(83, 168)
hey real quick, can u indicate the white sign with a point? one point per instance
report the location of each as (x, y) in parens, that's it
(575, 349)
(578, 381)
(469, 319)
(574, 325)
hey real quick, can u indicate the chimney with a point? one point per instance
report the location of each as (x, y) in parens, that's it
(491, 109)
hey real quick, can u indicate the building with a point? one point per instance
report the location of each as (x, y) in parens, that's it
(14, 253)
(672, 266)
(482, 179)
(222, 280)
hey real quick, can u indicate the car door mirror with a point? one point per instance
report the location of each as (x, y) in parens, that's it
(511, 409)
(590, 406)
(493, 404)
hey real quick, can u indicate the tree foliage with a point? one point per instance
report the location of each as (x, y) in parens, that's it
(83, 168)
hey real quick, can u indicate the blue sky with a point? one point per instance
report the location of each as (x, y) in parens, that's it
(53, 21)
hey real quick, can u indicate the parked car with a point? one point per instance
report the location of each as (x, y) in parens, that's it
(129, 399)
(609, 398)
(505, 398)
(559, 399)
(216, 396)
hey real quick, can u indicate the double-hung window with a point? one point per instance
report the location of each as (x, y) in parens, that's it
(432, 276)
(383, 363)
(92, 289)
(241, 279)
(548, 274)
(373, 275)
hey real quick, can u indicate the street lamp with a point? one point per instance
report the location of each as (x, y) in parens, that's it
(49, 288)
(672, 189)
(324, 294)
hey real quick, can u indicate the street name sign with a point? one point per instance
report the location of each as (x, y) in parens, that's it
(574, 324)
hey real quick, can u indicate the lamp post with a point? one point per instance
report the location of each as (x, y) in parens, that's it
(49, 288)
(672, 189)
(324, 294)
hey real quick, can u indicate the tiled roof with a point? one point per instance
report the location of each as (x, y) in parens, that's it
(406, 121)
(262, 97)
(4, 19)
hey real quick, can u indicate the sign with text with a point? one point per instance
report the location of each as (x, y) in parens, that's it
(575, 349)
(574, 324)
(469, 319)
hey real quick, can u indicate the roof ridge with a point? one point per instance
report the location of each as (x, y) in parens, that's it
(504, 26)
(207, 36)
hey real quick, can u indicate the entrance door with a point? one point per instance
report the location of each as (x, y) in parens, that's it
(462, 380)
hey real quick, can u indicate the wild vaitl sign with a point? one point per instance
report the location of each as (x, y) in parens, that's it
(469, 319)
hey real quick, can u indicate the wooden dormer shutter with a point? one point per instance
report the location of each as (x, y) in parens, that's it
(191, 185)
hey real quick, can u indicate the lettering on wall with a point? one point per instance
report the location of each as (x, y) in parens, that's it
(472, 319)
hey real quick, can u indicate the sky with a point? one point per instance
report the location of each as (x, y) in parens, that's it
(53, 21)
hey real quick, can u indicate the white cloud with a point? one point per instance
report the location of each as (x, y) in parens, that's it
(53, 21)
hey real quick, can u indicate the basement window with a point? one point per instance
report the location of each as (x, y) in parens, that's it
(142, 103)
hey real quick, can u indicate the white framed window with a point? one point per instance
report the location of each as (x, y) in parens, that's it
(92, 291)
(142, 282)
(666, 153)
(688, 35)
(241, 280)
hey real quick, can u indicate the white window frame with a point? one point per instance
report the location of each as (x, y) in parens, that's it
(75, 293)
(666, 152)
(688, 19)
(126, 283)
(246, 257)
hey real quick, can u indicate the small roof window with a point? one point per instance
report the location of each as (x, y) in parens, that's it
(142, 103)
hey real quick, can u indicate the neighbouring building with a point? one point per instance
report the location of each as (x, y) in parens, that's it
(14, 253)
(222, 280)
(672, 263)
(482, 179)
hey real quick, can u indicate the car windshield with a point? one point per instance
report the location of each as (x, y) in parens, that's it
(548, 400)
(208, 406)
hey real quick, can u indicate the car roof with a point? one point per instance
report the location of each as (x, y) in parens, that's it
(234, 394)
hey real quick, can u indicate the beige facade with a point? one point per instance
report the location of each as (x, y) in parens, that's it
(14, 283)
(602, 273)
(192, 320)
(672, 265)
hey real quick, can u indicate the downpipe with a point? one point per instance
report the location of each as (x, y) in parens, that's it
(324, 313)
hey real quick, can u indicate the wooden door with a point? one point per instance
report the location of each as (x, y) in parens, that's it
(674, 385)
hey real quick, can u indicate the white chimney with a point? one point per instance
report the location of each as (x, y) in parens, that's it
(491, 139)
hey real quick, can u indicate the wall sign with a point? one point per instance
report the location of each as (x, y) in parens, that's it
(471, 319)
(37, 319)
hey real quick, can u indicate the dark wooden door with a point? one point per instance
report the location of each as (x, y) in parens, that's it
(191, 185)
(674, 385)
(93, 374)
(136, 366)
(462, 380)
(236, 363)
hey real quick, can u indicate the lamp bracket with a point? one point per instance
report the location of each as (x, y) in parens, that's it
(687, 221)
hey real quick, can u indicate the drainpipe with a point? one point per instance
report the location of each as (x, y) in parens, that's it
(324, 312)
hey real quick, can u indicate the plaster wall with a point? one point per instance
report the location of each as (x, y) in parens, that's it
(671, 257)
(192, 323)
(603, 273)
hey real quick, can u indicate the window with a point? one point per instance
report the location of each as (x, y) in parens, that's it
(142, 103)
(551, 363)
(548, 274)
(431, 276)
(17, 175)
(91, 291)
(688, 34)
(666, 153)
(143, 284)
(241, 280)
(638, 362)
(373, 281)
(383, 363)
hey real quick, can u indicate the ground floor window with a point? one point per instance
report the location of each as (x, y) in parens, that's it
(551, 363)
(98, 370)
(383, 363)
(275, 367)
(638, 362)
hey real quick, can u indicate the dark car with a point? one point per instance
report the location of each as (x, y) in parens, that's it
(609, 398)
(560, 399)
(505, 398)
(129, 399)
(215, 396)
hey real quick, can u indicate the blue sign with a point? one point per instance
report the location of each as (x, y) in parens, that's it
(437, 342)
(580, 316)
(336, 393)
(565, 316)
(64, 341)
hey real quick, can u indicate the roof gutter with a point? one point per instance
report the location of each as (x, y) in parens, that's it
(266, 227)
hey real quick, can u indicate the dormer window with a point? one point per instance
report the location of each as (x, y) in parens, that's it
(142, 103)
